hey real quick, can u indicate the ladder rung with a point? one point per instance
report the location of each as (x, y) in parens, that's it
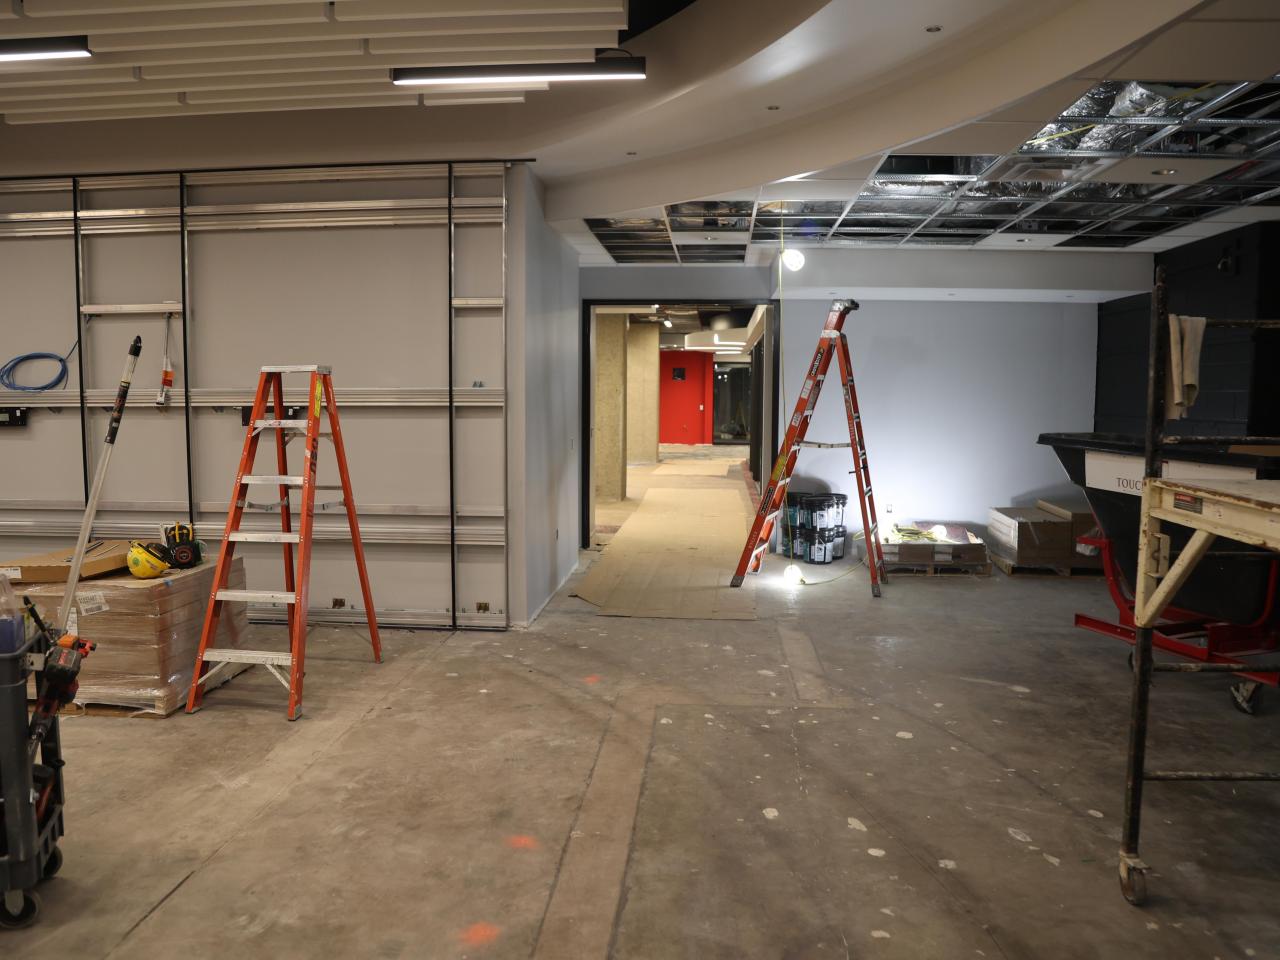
(759, 548)
(824, 446)
(298, 368)
(231, 655)
(264, 536)
(258, 596)
(273, 480)
(279, 425)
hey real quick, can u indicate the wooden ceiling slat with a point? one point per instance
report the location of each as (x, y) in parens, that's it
(444, 27)
(68, 8)
(182, 109)
(190, 22)
(397, 9)
(385, 63)
(36, 70)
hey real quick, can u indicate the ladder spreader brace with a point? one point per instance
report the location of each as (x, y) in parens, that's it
(831, 342)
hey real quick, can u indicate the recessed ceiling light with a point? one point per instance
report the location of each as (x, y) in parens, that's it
(933, 28)
(1024, 240)
(773, 106)
(667, 323)
(602, 68)
(44, 48)
(708, 237)
(1164, 172)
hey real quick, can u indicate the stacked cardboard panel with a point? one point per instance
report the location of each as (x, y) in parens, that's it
(1041, 536)
(147, 632)
(1083, 524)
(928, 542)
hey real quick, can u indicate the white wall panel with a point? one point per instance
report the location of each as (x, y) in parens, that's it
(371, 301)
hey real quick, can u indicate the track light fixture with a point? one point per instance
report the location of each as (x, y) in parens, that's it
(602, 68)
(44, 48)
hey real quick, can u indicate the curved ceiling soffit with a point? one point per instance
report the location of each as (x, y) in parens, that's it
(1045, 53)
(677, 49)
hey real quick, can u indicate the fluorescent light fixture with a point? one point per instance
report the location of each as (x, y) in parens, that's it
(604, 68)
(730, 352)
(44, 48)
(793, 259)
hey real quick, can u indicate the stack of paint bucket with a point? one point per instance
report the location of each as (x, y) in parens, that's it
(813, 528)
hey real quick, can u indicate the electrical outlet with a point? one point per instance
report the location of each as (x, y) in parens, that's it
(339, 603)
(888, 508)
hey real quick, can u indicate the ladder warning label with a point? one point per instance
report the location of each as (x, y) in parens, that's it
(1185, 501)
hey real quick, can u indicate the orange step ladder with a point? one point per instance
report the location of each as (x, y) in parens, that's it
(831, 342)
(296, 579)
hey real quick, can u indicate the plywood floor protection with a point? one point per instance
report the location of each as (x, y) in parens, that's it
(675, 553)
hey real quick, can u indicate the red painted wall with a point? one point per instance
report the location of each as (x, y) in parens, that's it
(679, 418)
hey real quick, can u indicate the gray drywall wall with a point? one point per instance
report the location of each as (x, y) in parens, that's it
(370, 301)
(648, 284)
(953, 396)
(642, 393)
(544, 415)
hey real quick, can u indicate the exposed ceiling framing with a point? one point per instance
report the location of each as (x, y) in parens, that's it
(1126, 162)
(159, 58)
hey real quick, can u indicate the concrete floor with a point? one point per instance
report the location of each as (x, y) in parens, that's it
(935, 774)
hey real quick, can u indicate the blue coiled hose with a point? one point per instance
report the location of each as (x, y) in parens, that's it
(8, 371)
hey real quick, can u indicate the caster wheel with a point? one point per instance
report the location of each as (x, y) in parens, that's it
(1133, 883)
(1244, 696)
(25, 916)
(52, 865)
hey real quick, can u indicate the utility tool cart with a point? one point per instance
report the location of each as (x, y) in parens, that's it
(31, 793)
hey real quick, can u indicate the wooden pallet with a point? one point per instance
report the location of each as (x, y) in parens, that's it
(1011, 569)
(938, 569)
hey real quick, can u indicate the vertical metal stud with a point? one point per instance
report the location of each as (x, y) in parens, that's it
(506, 420)
(78, 251)
(186, 315)
(453, 502)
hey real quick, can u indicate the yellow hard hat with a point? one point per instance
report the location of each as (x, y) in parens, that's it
(147, 560)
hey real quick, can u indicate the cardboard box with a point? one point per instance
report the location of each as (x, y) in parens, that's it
(955, 545)
(102, 556)
(147, 632)
(1029, 536)
(1083, 523)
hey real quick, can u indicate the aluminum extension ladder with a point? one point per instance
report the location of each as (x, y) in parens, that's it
(831, 342)
(296, 581)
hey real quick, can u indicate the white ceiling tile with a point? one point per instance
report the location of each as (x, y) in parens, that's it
(1240, 10)
(1042, 107)
(976, 139)
(853, 170)
(812, 190)
(1139, 170)
(1202, 51)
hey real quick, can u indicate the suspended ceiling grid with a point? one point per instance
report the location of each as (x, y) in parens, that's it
(161, 58)
(1127, 162)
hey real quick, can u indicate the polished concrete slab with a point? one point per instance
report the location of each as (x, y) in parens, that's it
(935, 774)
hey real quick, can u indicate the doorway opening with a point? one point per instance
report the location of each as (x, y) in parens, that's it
(676, 395)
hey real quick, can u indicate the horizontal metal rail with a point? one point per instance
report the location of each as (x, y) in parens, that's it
(212, 397)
